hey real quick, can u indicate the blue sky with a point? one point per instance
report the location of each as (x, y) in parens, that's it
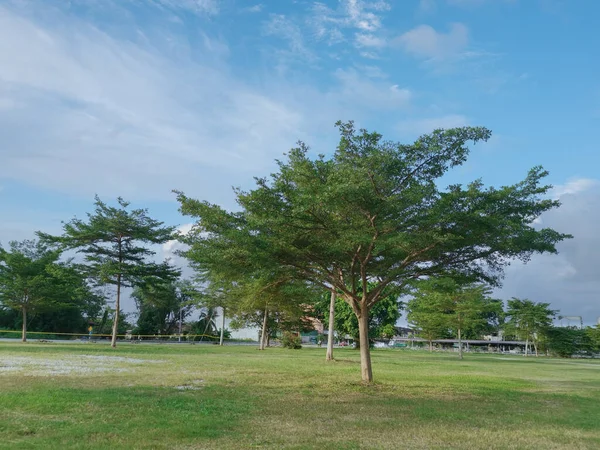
(139, 97)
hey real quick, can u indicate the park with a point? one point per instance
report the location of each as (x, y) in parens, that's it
(350, 241)
(152, 396)
(315, 224)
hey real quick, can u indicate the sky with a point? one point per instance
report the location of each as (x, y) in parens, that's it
(135, 98)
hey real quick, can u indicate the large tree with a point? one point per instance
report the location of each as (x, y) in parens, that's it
(34, 280)
(529, 320)
(373, 212)
(115, 240)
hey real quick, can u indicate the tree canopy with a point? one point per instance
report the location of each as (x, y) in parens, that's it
(34, 280)
(372, 216)
(528, 320)
(443, 305)
(115, 243)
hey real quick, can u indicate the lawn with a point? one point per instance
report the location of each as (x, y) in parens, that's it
(144, 396)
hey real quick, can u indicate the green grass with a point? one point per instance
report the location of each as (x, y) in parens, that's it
(70, 396)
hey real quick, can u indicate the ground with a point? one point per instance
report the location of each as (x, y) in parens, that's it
(145, 396)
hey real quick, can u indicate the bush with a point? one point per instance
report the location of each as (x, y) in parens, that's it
(292, 341)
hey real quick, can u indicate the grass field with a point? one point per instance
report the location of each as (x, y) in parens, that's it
(87, 396)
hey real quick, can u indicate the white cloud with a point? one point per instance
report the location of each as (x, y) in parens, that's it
(427, 125)
(117, 118)
(574, 186)
(281, 26)
(425, 42)
(254, 9)
(466, 2)
(134, 118)
(194, 6)
(362, 91)
(362, 18)
(369, 40)
(170, 248)
(427, 6)
(473, 3)
(570, 281)
(358, 14)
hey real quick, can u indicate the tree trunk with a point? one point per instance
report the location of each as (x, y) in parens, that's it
(535, 347)
(263, 338)
(222, 326)
(430, 346)
(526, 345)
(113, 342)
(460, 352)
(365, 350)
(24, 332)
(329, 356)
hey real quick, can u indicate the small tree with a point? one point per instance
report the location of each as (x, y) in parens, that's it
(568, 341)
(424, 316)
(162, 306)
(382, 320)
(529, 320)
(593, 334)
(447, 304)
(32, 280)
(112, 241)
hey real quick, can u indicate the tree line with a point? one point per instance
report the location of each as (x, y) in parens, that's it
(444, 309)
(344, 236)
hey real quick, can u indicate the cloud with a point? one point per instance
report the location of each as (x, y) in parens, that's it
(369, 40)
(171, 247)
(473, 3)
(363, 19)
(285, 28)
(254, 9)
(427, 6)
(120, 118)
(194, 6)
(141, 114)
(574, 186)
(570, 281)
(362, 91)
(427, 125)
(465, 2)
(425, 42)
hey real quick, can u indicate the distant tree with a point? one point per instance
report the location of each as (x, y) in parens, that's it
(492, 323)
(449, 305)
(272, 306)
(206, 325)
(373, 212)
(424, 316)
(382, 320)
(24, 278)
(529, 320)
(239, 273)
(568, 341)
(593, 334)
(123, 325)
(162, 306)
(34, 281)
(112, 240)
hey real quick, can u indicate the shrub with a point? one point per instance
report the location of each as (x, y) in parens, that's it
(290, 340)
